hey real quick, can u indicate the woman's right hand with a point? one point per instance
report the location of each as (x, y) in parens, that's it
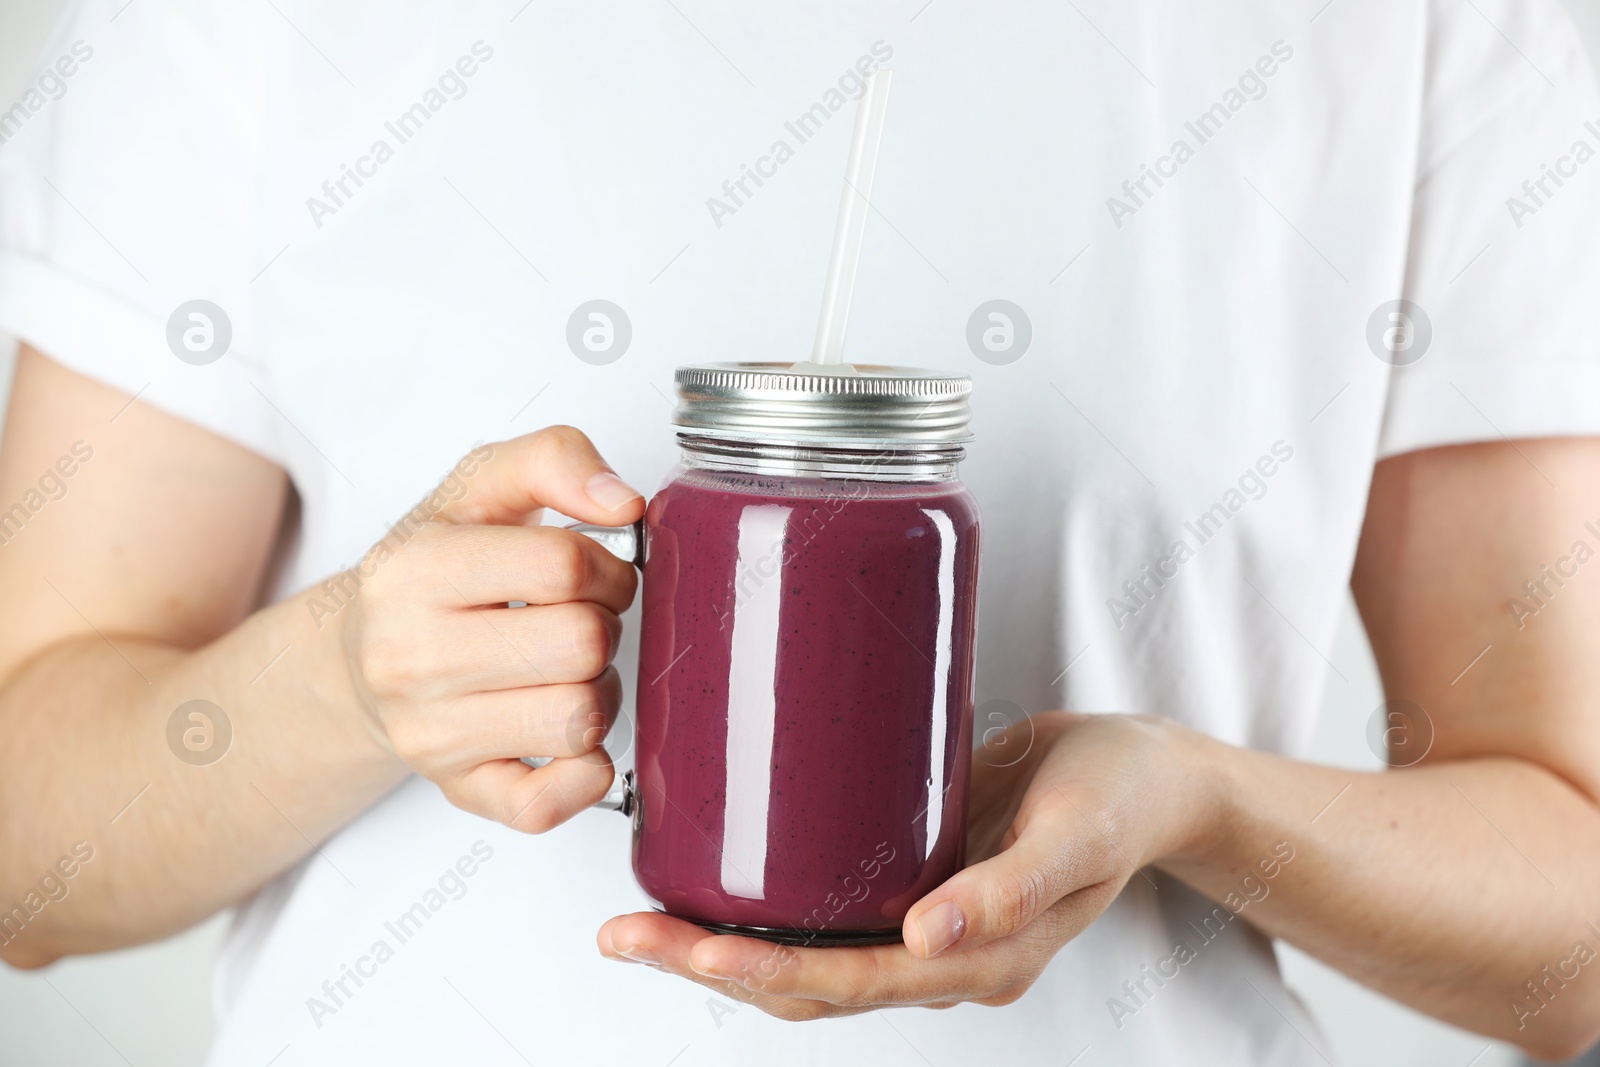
(459, 685)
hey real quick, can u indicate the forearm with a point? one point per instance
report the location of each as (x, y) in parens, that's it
(86, 758)
(1447, 886)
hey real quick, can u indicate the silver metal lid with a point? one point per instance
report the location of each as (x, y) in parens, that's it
(899, 407)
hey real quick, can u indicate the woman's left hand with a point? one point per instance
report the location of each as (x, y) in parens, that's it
(1053, 839)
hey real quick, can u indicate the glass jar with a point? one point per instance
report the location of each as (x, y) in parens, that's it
(804, 701)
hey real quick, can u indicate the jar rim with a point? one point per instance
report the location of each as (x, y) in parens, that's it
(869, 405)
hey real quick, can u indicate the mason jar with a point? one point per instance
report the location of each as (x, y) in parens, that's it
(805, 689)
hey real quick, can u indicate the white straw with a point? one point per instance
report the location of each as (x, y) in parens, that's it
(853, 208)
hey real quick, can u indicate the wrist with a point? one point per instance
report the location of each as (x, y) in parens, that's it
(326, 625)
(1202, 791)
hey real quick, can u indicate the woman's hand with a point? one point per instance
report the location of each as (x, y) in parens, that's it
(1056, 836)
(460, 685)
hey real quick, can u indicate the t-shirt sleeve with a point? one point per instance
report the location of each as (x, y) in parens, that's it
(129, 174)
(1504, 259)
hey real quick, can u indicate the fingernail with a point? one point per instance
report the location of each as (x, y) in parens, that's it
(708, 971)
(639, 955)
(941, 927)
(609, 491)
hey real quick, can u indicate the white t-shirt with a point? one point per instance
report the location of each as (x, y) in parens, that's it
(1202, 212)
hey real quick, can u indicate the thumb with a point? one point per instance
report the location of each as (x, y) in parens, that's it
(556, 467)
(998, 897)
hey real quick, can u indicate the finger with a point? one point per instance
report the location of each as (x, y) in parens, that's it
(532, 800)
(555, 467)
(1049, 859)
(666, 943)
(649, 937)
(545, 720)
(479, 566)
(862, 979)
(509, 648)
(850, 978)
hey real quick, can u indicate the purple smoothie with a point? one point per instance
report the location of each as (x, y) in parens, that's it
(804, 700)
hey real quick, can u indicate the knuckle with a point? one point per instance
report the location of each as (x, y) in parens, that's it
(389, 667)
(1015, 898)
(407, 745)
(588, 720)
(871, 986)
(1099, 853)
(419, 551)
(564, 433)
(536, 816)
(1007, 995)
(1101, 860)
(534, 822)
(606, 690)
(557, 438)
(563, 568)
(459, 799)
(589, 640)
(415, 743)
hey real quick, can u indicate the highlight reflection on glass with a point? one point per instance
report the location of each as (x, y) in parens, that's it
(753, 689)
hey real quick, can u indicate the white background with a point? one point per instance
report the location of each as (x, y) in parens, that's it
(151, 1005)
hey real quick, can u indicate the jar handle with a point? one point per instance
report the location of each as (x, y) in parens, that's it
(622, 796)
(624, 542)
(627, 544)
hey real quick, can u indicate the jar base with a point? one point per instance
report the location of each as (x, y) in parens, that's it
(806, 938)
